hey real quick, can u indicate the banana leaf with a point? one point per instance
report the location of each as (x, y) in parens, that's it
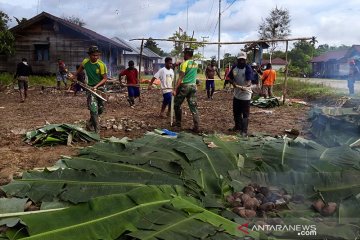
(53, 134)
(111, 216)
(117, 169)
(265, 102)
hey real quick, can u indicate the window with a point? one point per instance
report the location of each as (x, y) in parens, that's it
(42, 52)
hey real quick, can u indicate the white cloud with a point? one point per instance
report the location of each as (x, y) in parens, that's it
(331, 21)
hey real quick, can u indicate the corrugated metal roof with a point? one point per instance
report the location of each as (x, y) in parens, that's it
(136, 49)
(331, 55)
(85, 31)
(275, 61)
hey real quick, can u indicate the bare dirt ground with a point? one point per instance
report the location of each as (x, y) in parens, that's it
(60, 107)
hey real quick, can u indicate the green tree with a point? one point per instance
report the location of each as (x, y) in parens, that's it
(301, 55)
(7, 40)
(179, 46)
(153, 46)
(275, 26)
(75, 20)
(228, 59)
(276, 54)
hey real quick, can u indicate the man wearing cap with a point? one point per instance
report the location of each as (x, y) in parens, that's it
(240, 77)
(186, 88)
(23, 71)
(96, 72)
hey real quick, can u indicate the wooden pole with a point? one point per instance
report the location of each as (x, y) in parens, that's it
(242, 42)
(172, 100)
(140, 61)
(286, 73)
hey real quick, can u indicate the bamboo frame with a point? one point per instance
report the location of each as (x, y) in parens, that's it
(286, 40)
(226, 43)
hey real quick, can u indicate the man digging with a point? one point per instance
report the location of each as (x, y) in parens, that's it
(186, 88)
(96, 72)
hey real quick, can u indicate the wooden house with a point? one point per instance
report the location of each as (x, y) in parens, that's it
(45, 38)
(276, 63)
(334, 64)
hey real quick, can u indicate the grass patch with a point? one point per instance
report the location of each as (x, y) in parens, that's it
(305, 90)
(8, 79)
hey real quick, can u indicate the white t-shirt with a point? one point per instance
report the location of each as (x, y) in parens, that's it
(166, 77)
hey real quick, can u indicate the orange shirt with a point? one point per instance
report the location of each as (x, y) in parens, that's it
(269, 77)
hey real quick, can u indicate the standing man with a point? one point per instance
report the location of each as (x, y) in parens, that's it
(210, 82)
(186, 88)
(240, 77)
(131, 74)
(268, 80)
(166, 76)
(226, 77)
(96, 72)
(23, 71)
(353, 74)
(61, 74)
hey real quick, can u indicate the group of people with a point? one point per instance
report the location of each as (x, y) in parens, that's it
(241, 76)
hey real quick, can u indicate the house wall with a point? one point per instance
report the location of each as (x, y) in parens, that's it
(277, 67)
(147, 64)
(62, 42)
(46, 33)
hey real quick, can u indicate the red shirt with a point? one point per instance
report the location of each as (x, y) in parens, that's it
(131, 75)
(227, 70)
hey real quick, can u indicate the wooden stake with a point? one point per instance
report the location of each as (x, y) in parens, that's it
(286, 73)
(140, 62)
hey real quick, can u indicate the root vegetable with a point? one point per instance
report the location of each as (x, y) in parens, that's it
(260, 197)
(248, 189)
(318, 205)
(237, 194)
(251, 203)
(244, 197)
(329, 209)
(269, 206)
(264, 191)
(230, 199)
(245, 213)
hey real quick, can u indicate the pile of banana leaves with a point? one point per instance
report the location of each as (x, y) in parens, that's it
(335, 126)
(174, 188)
(64, 134)
(265, 102)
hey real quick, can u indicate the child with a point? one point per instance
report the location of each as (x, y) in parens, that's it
(166, 76)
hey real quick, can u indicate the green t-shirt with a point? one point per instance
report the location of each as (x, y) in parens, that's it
(189, 67)
(94, 71)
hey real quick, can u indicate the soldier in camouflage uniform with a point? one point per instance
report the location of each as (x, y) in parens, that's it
(96, 71)
(186, 88)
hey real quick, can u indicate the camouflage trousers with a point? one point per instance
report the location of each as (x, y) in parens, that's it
(187, 91)
(96, 107)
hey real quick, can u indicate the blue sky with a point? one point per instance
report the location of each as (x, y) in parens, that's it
(332, 21)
